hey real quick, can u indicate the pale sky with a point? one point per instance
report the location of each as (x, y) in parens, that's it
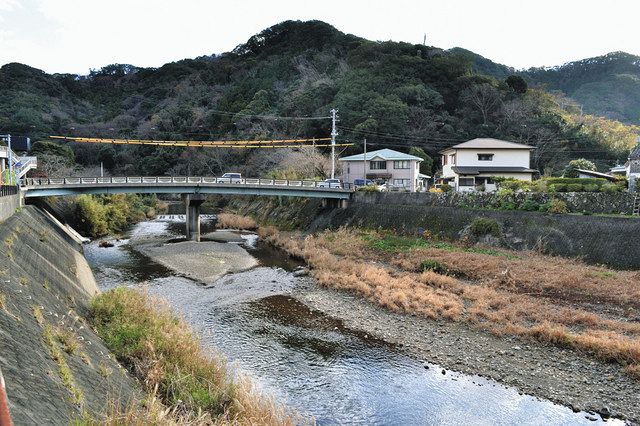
(76, 35)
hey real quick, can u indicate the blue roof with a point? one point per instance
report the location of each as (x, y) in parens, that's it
(385, 154)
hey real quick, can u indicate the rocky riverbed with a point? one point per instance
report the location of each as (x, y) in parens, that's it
(560, 375)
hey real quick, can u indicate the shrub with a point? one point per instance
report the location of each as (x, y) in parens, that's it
(507, 205)
(558, 187)
(433, 265)
(530, 205)
(435, 190)
(446, 188)
(609, 188)
(368, 188)
(574, 187)
(234, 221)
(557, 207)
(481, 226)
(590, 187)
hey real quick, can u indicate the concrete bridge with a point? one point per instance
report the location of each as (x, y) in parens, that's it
(193, 190)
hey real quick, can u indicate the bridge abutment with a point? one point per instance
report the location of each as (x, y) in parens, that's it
(334, 203)
(192, 224)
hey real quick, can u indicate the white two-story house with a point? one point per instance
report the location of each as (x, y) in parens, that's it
(473, 164)
(396, 169)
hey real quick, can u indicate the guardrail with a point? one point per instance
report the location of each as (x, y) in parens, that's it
(8, 190)
(184, 180)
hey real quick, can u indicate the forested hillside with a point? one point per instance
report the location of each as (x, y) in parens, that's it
(396, 95)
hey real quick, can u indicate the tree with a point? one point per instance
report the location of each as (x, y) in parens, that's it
(484, 98)
(517, 84)
(426, 166)
(581, 163)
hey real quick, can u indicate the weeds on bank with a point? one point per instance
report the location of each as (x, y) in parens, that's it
(527, 295)
(234, 221)
(49, 336)
(166, 356)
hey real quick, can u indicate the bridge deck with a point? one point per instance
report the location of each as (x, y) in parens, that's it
(42, 187)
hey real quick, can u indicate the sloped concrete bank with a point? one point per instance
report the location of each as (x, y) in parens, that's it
(596, 239)
(54, 365)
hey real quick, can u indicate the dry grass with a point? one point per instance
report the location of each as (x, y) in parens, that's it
(169, 360)
(234, 221)
(545, 298)
(49, 336)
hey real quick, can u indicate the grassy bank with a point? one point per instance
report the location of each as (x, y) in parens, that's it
(185, 385)
(549, 299)
(100, 215)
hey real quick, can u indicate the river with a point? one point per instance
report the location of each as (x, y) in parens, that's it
(310, 361)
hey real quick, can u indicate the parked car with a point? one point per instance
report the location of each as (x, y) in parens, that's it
(363, 182)
(230, 178)
(330, 183)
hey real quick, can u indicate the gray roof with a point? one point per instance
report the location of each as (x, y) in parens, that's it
(488, 143)
(596, 174)
(476, 170)
(385, 154)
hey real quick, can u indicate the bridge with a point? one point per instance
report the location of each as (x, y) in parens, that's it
(192, 188)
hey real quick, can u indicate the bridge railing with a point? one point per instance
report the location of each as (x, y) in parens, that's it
(186, 180)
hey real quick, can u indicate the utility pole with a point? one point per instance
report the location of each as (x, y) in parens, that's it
(364, 162)
(334, 133)
(101, 169)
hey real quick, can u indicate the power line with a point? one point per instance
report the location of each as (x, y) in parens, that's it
(267, 117)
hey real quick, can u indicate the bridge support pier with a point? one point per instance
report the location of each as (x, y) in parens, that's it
(334, 203)
(192, 224)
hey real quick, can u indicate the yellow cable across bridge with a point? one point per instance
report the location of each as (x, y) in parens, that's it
(251, 144)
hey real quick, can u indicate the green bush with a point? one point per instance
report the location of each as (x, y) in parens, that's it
(433, 265)
(530, 205)
(446, 188)
(609, 188)
(557, 207)
(507, 205)
(575, 187)
(558, 187)
(368, 188)
(481, 226)
(590, 187)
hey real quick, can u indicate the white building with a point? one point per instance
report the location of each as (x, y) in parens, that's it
(475, 163)
(396, 169)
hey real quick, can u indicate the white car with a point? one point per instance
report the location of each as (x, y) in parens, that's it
(230, 178)
(330, 183)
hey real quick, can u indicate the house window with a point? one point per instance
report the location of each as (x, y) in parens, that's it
(444, 160)
(453, 159)
(378, 165)
(401, 164)
(401, 182)
(466, 181)
(485, 157)
(348, 169)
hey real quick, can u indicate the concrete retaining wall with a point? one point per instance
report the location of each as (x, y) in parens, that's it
(8, 206)
(596, 239)
(591, 202)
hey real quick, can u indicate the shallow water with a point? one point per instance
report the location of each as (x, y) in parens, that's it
(311, 361)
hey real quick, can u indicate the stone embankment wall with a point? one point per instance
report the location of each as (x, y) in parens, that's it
(53, 363)
(596, 239)
(578, 202)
